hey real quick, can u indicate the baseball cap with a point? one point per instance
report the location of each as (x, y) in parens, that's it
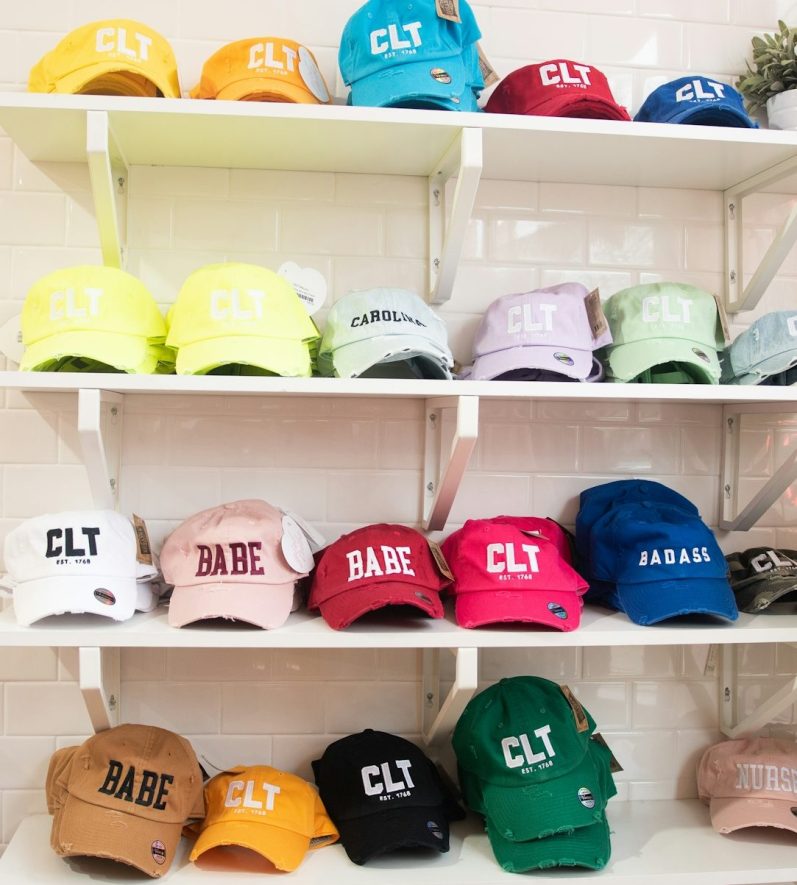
(109, 57)
(93, 318)
(768, 347)
(764, 579)
(263, 69)
(526, 743)
(238, 561)
(698, 100)
(663, 333)
(77, 562)
(274, 813)
(513, 569)
(547, 329)
(663, 561)
(398, 53)
(236, 318)
(376, 566)
(556, 88)
(384, 794)
(377, 332)
(125, 794)
(751, 782)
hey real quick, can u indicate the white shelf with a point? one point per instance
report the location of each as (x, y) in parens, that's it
(664, 842)
(304, 629)
(259, 135)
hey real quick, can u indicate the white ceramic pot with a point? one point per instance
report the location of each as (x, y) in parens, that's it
(782, 110)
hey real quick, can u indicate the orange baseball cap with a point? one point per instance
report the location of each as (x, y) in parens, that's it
(263, 69)
(274, 813)
(124, 794)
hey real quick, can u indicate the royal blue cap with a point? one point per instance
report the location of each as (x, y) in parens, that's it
(397, 53)
(663, 561)
(699, 100)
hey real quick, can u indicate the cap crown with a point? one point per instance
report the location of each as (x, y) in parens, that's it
(750, 768)
(520, 731)
(679, 99)
(768, 346)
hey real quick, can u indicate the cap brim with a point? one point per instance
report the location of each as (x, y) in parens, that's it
(284, 848)
(713, 116)
(73, 594)
(592, 108)
(74, 82)
(356, 358)
(654, 601)
(279, 356)
(586, 847)
(629, 360)
(128, 353)
(730, 814)
(413, 82)
(264, 605)
(562, 360)
(417, 827)
(342, 609)
(266, 89)
(94, 831)
(765, 593)
(558, 609)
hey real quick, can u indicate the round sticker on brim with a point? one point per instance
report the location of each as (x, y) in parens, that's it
(564, 358)
(557, 610)
(104, 596)
(159, 852)
(585, 797)
(440, 75)
(701, 355)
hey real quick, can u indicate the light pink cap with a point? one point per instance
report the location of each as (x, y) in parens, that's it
(229, 562)
(750, 783)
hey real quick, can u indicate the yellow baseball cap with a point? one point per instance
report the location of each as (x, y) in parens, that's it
(272, 812)
(79, 317)
(109, 57)
(240, 319)
(263, 69)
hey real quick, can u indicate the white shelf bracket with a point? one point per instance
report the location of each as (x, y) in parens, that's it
(99, 684)
(99, 422)
(443, 476)
(737, 296)
(438, 718)
(463, 159)
(732, 519)
(109, 179)
(762, 715)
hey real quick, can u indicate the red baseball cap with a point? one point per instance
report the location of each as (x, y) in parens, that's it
(558, 88)
(373, 567)
(514, 569)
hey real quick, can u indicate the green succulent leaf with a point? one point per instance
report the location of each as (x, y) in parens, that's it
(773, 69)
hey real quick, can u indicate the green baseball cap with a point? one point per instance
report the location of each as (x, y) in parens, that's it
(663, 333)
(523, 753)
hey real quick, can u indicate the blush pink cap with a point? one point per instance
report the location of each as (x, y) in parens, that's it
(229, 562)
(514, 569)
(750, 782)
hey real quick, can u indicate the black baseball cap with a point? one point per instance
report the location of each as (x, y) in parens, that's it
(764, 579)
(383, 794)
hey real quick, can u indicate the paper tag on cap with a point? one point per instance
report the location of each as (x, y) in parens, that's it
(614, 765)
(310, 285)
(11, 345)
(598, 323)
(488, 71)
(314, 538)
(143, 547)
(723, 319)
(437, 553)
(448, 9)
(578, 711)
(295, 548)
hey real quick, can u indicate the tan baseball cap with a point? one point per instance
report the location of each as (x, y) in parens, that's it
(124, 794)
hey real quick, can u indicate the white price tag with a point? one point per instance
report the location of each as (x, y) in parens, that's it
(310, 285)
(11, 344)
(295, 548)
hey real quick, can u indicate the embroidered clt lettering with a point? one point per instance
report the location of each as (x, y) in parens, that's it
(115, 40)
(384, 316)
(380, 45)
(68, 546)
(378, 779)
(765, 562)
(72, 305)
(759, 776)
(503, 558)
(521, 318)
(379, 561)
(243, 558)
(528, 756)
(694, 90)
(234, 799)
(673, 555)
(557, 74)
(151, 792)
(261, 56)
(234, 304)
(666, 309)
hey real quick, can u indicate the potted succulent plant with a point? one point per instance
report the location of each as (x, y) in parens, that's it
(771, 82)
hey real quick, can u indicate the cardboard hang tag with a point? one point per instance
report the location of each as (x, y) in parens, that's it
(437, 553)
(143, 546)
(448, 9)
(578, 711)
(598, 323)
(614, 765)
(722, 319)
(488, 72)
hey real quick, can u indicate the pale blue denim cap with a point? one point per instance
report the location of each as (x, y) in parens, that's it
(767, 348)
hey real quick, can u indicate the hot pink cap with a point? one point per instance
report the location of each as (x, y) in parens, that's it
(750, 783)
(514, 569)
(229, 562)
(373, 567)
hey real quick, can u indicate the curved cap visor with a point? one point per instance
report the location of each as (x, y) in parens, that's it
(649, 603)
(768, 594)
(353, 359)
(128, 353)
(729, 814)
(713, 116)
(559, 610)
(77, 81)
(375, 834)
(281, 356)
(94, 831)
(342, 609)
(284, 848)
(586, 847)
(571, 362)
(73, 594)
(592, 108)
(414, 81)
(629, 360)
(261, 89)
(266, 606)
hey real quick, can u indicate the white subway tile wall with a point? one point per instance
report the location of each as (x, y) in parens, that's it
(345, 463)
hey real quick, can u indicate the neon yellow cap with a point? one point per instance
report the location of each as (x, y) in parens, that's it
(110, 57)
(79, 316)
(242, 316)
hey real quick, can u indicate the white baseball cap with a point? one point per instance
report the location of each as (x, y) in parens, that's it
(78, 561)
(384, 332)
